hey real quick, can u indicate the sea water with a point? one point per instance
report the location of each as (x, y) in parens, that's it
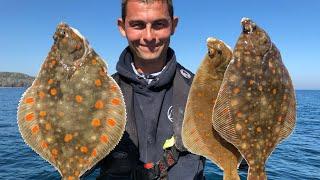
(297, 157)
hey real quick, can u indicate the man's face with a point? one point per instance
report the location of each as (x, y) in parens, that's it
(148, 27)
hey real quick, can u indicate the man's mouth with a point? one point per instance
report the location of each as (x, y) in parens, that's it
(148, 48)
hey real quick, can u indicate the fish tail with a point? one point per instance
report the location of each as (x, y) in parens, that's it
(231, 175)
(70, 178)
(256, 175)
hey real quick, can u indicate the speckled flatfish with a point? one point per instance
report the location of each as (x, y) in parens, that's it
(73, 115)
(255, 108)
(198, 134)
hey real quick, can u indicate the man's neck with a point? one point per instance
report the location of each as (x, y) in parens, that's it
(148, 67)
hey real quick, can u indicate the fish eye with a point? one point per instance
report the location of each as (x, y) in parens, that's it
(62, 33)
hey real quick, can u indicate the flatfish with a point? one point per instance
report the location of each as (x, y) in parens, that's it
(73, 115)
(255, 109)
(198, 134)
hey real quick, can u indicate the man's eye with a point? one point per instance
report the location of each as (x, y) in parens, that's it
(138, 25)
(159, 25)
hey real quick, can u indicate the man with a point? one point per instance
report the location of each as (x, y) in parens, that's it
(155, 88)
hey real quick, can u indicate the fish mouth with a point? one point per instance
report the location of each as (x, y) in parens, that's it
(72, 42)
(213, 47)
(248, 26)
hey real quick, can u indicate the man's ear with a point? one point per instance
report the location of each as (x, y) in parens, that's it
(174, 24)
(121, 27)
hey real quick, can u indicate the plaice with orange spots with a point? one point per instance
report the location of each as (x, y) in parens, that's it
(255, 108)
(198, 134)
(73, 115)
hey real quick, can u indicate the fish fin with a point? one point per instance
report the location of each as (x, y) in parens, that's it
(222, 120)
(290, 119)
(28, 123)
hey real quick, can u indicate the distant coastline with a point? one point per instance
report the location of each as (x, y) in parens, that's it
(14, 79)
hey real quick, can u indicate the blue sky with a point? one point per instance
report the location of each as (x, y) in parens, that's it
(27, 27)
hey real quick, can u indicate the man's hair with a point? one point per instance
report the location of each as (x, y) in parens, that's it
(125, 2)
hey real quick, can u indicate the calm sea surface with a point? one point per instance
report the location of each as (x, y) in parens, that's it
(298, 157)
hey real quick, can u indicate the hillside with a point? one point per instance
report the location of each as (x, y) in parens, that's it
(11, 79)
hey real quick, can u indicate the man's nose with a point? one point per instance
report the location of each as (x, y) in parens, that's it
(149, 34)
